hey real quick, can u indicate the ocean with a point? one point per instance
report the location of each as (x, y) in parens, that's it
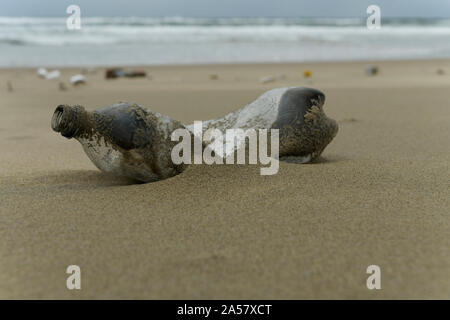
(102, 41)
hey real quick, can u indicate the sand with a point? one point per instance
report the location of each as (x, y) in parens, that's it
(379, 194)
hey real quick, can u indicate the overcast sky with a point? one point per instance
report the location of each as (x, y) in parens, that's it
(227, 8)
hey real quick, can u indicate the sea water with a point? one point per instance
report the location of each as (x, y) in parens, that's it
(106, 41)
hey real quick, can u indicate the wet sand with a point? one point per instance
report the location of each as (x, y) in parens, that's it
(379, 194)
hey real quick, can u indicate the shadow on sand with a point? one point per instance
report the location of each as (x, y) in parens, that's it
(320, 160)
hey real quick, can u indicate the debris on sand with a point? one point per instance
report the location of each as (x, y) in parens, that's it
(213, 77)
(42, 72)
(267, 79)
(307, 73)
(49, 75)
(77, 79)
(9, 86)
(114, 73)
(371, 70)
(128, 140)
(440, 71)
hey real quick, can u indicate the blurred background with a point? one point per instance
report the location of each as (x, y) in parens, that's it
(154, 32)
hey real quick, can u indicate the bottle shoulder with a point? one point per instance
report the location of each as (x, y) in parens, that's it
(132, 126)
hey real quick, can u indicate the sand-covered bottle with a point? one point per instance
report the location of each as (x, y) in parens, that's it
(123, 139)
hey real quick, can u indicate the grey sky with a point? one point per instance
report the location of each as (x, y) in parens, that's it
(228, 8)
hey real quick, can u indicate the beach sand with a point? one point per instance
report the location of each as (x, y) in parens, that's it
(378, 196)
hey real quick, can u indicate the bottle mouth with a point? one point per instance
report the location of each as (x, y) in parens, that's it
(65, 121)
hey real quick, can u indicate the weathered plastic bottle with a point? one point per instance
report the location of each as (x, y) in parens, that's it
(128, 140)
(123, 139)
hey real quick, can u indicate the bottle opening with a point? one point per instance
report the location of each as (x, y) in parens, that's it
(65, 121)
(57, 119)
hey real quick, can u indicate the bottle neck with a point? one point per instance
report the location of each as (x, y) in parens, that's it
(70, 121)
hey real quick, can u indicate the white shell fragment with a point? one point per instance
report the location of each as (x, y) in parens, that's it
(77, 79)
